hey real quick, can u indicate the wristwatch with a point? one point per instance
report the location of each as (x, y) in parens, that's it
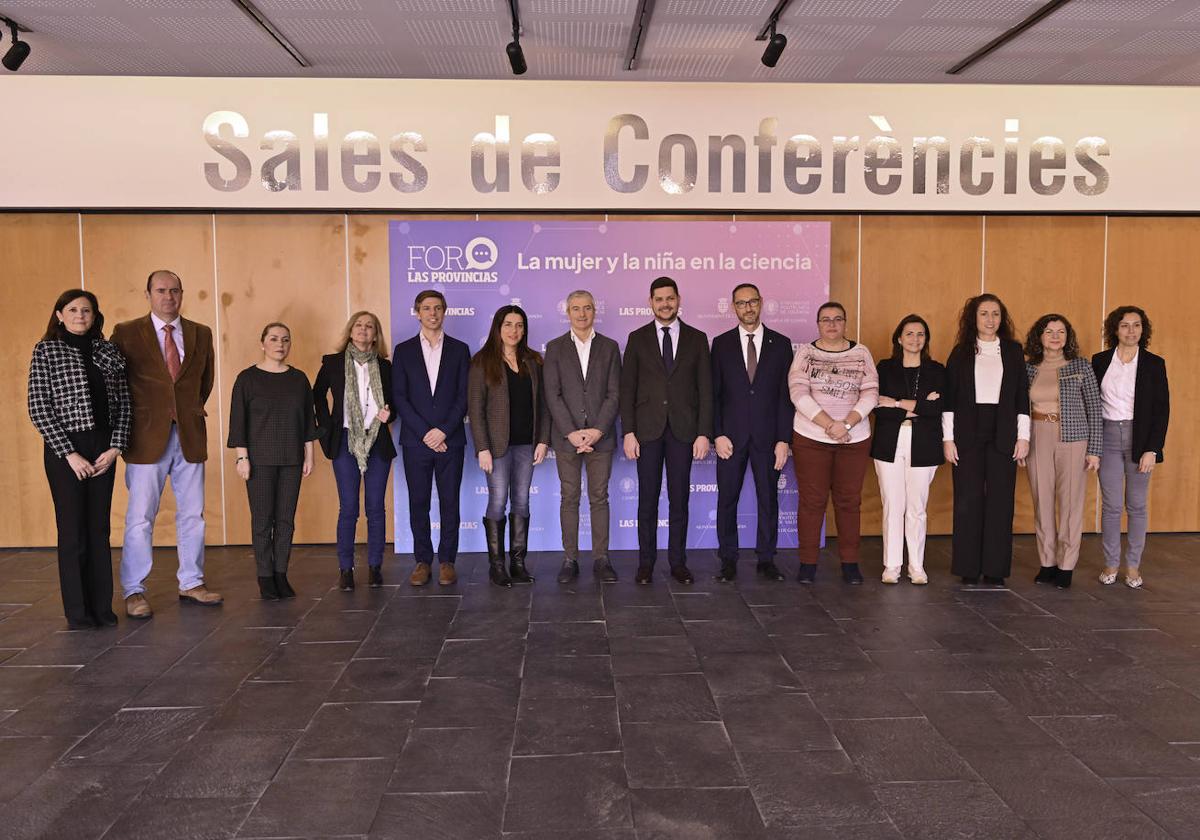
(848, 426)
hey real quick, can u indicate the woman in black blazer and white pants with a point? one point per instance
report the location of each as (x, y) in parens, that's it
(79, 402)
(985, 433)
(1136, 405)
(907, 445)
(356, 438)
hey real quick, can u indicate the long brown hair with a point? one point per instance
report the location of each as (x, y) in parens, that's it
(967, 331)
(1114, 320)
(491, 356)
(56, 328)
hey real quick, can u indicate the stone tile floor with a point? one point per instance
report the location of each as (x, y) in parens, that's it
(755, 710)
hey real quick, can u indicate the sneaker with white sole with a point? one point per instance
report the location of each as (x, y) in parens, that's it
(918, 578)
(891, 576)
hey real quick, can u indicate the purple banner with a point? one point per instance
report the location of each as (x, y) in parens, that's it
(481, 266)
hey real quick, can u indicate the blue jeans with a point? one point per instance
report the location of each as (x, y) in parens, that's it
(511, 476)
(349, 480)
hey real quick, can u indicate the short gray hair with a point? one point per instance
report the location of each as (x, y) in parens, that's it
(581, 293)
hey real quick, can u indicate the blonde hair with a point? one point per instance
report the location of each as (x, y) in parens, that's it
(380, 343)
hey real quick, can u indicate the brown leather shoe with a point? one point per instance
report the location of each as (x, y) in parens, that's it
(200, 596)
(420, 574)
(447, 574)
(136, 606)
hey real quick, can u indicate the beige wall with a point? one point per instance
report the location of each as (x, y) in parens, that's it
(312, 270)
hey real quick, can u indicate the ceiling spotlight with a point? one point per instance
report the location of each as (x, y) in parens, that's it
(775, 47)
(516, 56)
(18, 52)
(776, 41)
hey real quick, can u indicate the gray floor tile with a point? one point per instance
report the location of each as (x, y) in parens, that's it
(310, 798)
(557, 726)
(679, 755)
(900, 750)
(223, 765)
(563, 793)
(453, 759)
(711, 814)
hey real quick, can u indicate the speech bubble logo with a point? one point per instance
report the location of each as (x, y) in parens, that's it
(481, 253)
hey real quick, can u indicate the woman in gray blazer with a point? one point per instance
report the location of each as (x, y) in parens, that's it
(511, 428)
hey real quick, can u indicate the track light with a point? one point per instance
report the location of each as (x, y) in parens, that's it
(18, 52)
(776, 41)
(516, 56)
(775, 48)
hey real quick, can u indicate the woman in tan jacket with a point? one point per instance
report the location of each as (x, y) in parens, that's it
(511, 428)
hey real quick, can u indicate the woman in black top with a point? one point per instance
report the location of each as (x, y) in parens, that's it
(272, 427)
(79, 402)
(355, 437)
(907, 445)
(510, 425)
(985, 432)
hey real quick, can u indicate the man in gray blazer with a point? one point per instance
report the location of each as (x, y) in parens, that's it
(582, 374)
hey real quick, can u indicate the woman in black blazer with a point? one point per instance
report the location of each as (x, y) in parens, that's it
(985, 433)
(79, 402)
(907, 445)
(356, 438)
(1136, 405)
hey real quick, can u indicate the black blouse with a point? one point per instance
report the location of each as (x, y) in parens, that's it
(271, 415)
(97, 390)
(520, 408)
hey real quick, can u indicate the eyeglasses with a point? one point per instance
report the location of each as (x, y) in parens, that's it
(742, 304)
(837, 319)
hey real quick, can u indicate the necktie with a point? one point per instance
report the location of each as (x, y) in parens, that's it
(668, 350)
(751, 358)
(171, 352)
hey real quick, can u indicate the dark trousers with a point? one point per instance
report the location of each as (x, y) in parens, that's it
(374, 486)
(422, 467)
(81, 511)
(676, 455)
(273, 492)
(822, 470)
(984, 483)
(731, 472)
(571, 466)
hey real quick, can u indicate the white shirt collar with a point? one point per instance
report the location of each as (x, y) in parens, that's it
(757, 332)
(428, 343)
(159, 323)
(1117, 356)
(575, 337)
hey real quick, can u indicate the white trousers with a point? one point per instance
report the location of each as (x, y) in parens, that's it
(905, 492)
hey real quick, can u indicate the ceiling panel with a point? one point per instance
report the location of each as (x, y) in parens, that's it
(876, 41)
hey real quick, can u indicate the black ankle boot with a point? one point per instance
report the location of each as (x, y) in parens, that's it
(493, 531)
(518, 548)
(282, 585)
(1063, 579)
(1046, 574)
(267, 588)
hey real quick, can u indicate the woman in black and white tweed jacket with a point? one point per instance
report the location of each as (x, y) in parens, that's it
(79, 402)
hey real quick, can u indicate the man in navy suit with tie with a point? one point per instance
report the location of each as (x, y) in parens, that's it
(752, 421)
(429, 390)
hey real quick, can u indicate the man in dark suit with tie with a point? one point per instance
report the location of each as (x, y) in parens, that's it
(666, 415)
(582, 372)
(429, 390)
(752, 419)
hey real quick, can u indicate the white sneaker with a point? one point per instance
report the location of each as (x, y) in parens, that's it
(918, 578)
(891, 575)
(1109, 576)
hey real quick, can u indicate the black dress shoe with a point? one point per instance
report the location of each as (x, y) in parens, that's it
(81, 624)
(109, 620)
(285, 588)
(808, 573)
(970, 580)
(990, 580)
(851, 574)
(1046, 574)
(645, 575)
(568, 572)
(604, 571)
(267, 589)
(1063, 579)
(728, 573)
(346, 580)
(374, 576)
(770, 571)
(682, 574)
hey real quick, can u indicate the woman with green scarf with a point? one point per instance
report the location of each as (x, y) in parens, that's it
(355, 436)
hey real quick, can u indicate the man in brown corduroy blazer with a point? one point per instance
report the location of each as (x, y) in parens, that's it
(171, 369)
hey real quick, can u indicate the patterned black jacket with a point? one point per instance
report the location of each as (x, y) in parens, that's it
(59, 401)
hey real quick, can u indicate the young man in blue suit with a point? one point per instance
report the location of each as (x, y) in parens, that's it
(752, 420)
(429, 390)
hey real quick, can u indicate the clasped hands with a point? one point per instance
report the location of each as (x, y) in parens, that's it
(584, 439)
(84, 469)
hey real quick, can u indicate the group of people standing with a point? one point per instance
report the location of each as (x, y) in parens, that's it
(752, 396)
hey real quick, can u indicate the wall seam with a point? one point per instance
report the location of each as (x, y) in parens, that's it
(82, 279)
(983, 254)
(220, 389)
(858, 287)
(346, 230)
(1103, 310)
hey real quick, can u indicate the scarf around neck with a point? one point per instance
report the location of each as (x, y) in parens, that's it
(360, 439)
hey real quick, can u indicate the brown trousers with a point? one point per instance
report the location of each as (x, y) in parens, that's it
(1057, 478)
(821, 469)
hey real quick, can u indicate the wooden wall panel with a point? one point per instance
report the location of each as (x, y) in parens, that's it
(926, 264)
(1040, 264)
(290, 269)
(39, 259)
(119, 252)
(1152, 264)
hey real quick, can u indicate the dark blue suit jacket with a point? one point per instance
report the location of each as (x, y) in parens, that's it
(760, 413)
(421, 410)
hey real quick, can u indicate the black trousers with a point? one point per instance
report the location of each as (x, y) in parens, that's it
(274, 492)
(985, 481)
(731, 472)
(81, 511)
(422, 467)
(677, 457)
